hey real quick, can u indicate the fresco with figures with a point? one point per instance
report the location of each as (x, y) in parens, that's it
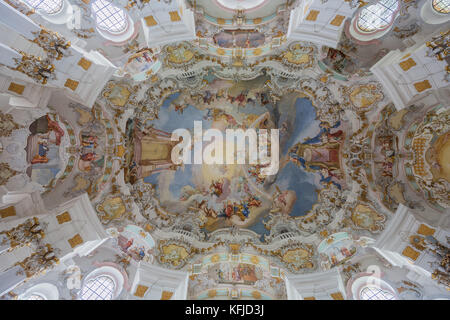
(43, 149)
(238, 195)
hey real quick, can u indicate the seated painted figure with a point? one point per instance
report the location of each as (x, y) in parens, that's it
(41, 156)
(325, 134)
(320, 153)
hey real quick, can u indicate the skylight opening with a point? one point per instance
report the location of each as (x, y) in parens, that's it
(441, 6)
(375, 293)
(109, 17)
(100, 288)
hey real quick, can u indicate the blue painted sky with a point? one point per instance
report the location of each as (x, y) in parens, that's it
(305, 123)
(292, 177)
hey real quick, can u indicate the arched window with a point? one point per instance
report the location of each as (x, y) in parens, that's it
(375, 293)
(104, 283)
(441, 6)
(99, 288)
(109, 17)
(377, 16)
(41, 291)
(239, 4)
(48, 6)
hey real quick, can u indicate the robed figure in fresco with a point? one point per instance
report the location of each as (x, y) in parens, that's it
(316, 157)
(43, 149)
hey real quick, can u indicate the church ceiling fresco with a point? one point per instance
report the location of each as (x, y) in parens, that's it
(134, 242)
(337, 184)
(271, 20)
(43, 149)
(239, 38)
(94, 152)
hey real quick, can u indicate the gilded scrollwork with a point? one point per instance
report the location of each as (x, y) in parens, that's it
(7, 124)
(145, 197)
(21, 7)
(119, 95)
(85, 33)
(40, 70)
(438, 46)
(427, 167)
(174, 254)
(361, 97)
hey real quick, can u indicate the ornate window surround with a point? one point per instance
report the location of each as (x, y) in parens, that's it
(110, 272)
(363, 280)
(45, 290)
(378, 292)
(447, 8)
(257, 4)
(64, 14)
(35, 4)
(431, 15)
(121, 36)
(365, 36)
